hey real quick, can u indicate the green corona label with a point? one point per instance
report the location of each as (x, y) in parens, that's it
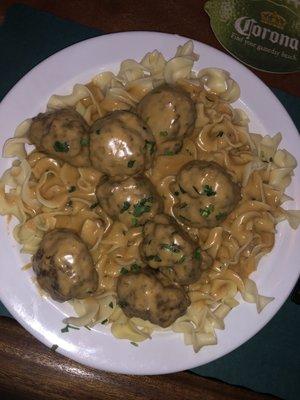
(264, 34)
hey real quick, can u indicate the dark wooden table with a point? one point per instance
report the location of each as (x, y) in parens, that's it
(28, 369)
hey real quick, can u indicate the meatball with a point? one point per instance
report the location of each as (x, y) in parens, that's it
(204, 194)
(170, 114)
(63, 134)
(121, 145)
(167, 248)
(145, 296)
(133, 201)
(64, 266)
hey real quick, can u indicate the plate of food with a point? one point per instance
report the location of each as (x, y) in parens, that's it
(149, 199)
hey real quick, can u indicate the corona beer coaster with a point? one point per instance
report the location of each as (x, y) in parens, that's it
(261, 33)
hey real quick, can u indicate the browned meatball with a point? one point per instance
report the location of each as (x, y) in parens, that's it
(133, 201)
(167, 248)
(121, 145)
(145, 296)
(205, 194)
(63, 134)
(64, 266)
(170, 114)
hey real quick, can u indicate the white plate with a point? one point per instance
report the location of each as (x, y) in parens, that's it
(166, 352)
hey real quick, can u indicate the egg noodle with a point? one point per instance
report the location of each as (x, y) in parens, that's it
(44, 193)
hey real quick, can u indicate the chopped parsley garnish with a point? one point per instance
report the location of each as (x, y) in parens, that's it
(61, 147)
(221, 215)
(196, 190)
(154, 257)
(87, 327)
(163, 133)
(174, 248)
(72, 189)
(182, 205)
(181, 260)
(124, 271)
(130, 163)
(67, 327)
(122, 303)
(85, 142)
(220, 134)
(134, 222)
(54, 347)
(125, 207)
(205, 212)
(208, 190)
(104, 321)
(182, 217)
(111, 304)
(143, 206)
(135, 268)
(197, 254)
(94, 205)
(182, 190)
(150, 146)
(134, 344)
(169, 153)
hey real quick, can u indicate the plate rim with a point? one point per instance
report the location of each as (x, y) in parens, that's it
(105, 37)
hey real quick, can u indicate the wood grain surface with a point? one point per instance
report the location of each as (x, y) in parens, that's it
(184, 17)
(29, 370)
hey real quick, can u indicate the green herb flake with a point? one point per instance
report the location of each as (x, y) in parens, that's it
(67, 327)
(104, 321)
(197, 254)
(54, 347)
(221, 215)
(143, 206)
(94, 205)
(183, 218)
(85, 142)
(130, 163)
(196, 190)
(220, 134)
(205, 212)
(135, 268)
(163, 133)
(111, 304)
(173, 247)
(181, 260)
(124, 271)
(72, 189)
(169, 153)
(134, 222)
(134, 344)
(125, 207)
(154, 257)
(61, 147)
(182, 205)
(176, 193)
(122, 303)
(208, 190)
(182, 190)
(150, 146)
(87, 327)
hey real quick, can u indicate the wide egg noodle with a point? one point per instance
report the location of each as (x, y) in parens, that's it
(44, 193)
